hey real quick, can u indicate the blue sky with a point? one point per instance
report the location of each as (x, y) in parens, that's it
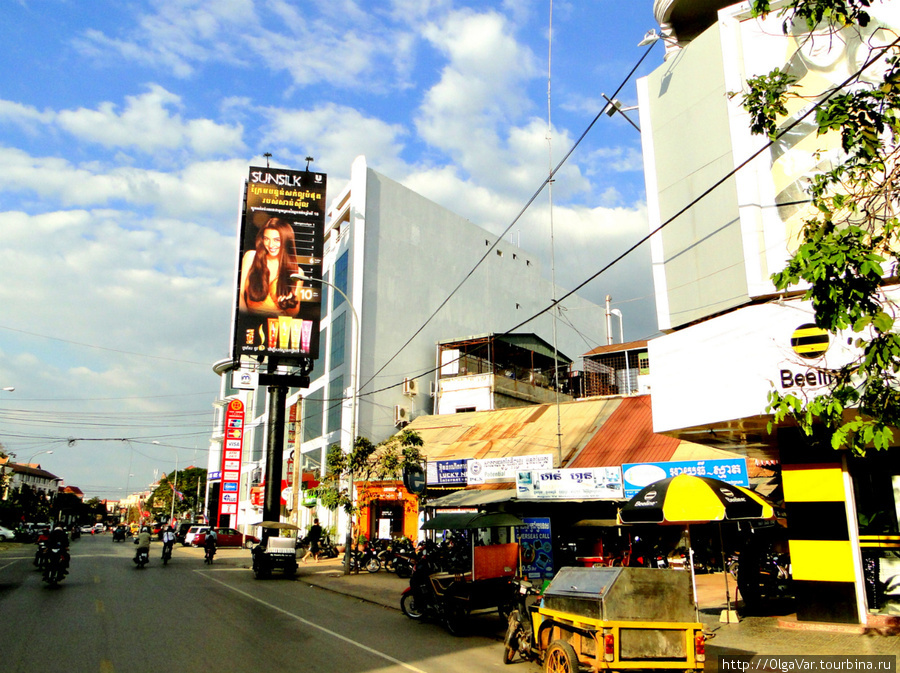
(126, 129)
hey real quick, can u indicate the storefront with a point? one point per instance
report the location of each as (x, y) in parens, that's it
(387, 510)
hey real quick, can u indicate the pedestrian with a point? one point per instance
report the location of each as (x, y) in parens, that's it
(315, 534)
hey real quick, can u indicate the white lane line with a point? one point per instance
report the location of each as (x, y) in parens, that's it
(7, 565)
(334, 634)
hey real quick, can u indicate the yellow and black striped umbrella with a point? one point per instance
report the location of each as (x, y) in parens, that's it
(686, 498)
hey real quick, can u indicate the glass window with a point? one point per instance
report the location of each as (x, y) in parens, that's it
(337, 340)
(335, 404)
(340, 280)
(312, 415)
(319, 362)
(326, 292)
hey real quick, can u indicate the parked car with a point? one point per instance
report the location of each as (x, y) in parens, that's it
(182, 531)
(86, 528)
(99, 528)
(227, 537)
(6, 534)
(192, 532)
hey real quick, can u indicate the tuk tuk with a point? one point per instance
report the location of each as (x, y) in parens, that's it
(618, 619)
(275, 552)
(475, 576)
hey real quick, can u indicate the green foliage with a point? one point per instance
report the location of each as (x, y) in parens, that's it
(186, 482)
(850, 247)
(366, 462)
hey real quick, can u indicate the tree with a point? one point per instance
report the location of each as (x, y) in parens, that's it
(849, 248)
(186, 482)
(366, 462)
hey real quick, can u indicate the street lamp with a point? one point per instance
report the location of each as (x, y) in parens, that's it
(31, 460)
(300, 276)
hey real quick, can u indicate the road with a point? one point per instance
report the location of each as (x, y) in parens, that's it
(110, 617)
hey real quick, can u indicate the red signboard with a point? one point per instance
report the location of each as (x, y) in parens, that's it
(232, 452)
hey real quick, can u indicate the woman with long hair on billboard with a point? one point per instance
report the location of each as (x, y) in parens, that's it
(266, 284)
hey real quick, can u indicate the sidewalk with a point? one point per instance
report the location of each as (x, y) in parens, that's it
(770, 635)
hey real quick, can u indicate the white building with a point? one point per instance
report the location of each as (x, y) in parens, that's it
(398, 257)
(734, 338)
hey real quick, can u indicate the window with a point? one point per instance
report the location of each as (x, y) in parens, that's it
(338, 327)
(463, 410)
(335, 404)
(319, 362)
(326, 292)
(312, 415)
(340, 280)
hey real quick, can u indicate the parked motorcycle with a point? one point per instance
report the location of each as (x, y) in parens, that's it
(519, 640)
(327, 548)
(55, 565)
(368, 559)
(430, 596)
(400, 558)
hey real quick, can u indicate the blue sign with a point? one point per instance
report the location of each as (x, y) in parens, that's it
(230, 486)
(637, 475)
(536, 547)
(213, 476)
(445, 472)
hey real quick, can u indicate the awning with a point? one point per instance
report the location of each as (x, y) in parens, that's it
(470, 520)
(534, 343)
(474, 498)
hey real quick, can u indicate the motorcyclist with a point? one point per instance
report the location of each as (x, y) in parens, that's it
(168, 540)
(59, 540)
(210, 542)
(143, 543)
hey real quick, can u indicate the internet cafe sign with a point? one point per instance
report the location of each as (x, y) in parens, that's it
(282, 235)
(590, 483)
(482, 471)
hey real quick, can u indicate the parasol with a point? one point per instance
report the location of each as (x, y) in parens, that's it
(686, 499)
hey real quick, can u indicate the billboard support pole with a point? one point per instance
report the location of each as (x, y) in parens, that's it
(274, 448)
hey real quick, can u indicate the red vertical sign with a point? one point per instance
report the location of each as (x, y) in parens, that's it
(232, 451)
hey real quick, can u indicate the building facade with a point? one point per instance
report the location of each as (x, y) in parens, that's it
(398, 258)
(729, 209)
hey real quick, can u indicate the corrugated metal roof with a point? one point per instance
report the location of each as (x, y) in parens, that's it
(517, 431)
(627, 437)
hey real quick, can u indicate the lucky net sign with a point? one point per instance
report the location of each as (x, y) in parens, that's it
(231, 458)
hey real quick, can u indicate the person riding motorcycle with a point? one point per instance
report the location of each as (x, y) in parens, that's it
(59, 540)
(168, 540)
(143, 543)
(209, 544)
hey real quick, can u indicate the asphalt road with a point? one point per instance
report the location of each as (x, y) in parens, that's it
(108, 616)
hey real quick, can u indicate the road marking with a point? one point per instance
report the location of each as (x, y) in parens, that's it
(334, 634)
(106, 666)
(99, 605)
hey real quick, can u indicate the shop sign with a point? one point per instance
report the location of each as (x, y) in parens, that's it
(482, 471)
(445, 472)
(595, 483)
(231, 457)
(638, 475)
(536, 544)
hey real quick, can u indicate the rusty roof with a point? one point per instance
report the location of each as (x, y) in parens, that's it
(627, 437)
(517, 431)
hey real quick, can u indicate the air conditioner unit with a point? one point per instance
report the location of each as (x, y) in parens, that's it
(401, 415)
(410, 387)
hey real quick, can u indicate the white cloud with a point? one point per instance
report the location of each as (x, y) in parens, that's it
(148, 123)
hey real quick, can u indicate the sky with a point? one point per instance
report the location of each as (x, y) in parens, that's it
(127, 129)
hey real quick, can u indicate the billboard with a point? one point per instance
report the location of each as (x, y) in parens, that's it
(282, 234)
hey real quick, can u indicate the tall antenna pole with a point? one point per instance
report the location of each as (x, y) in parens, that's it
(552, 242)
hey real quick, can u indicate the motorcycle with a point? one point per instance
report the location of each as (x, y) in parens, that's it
(167, 552)
(519, 638)
(327, 548)
(210, 553)
(40, 556)
(433, 596)
(142, 557)
(55, 566)
(368, 559)
(400, 558)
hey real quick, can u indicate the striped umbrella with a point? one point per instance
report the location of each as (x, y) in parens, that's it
(686, 498)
